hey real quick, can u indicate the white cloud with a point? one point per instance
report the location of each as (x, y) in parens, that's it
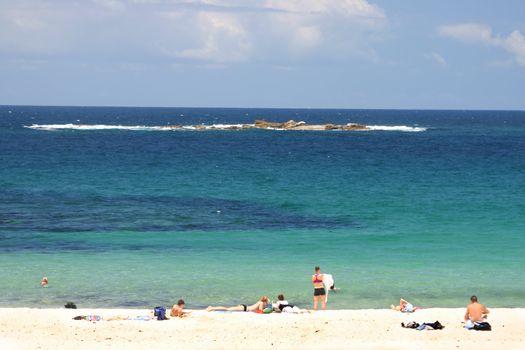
(468, 32)
(436, 58)
(111, 4)
(307, 36)
(347, 8)
(213, 31)
(476, 33)
(515, 44)
(223, 39)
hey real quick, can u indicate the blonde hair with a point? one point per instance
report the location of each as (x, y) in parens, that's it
(264, 299)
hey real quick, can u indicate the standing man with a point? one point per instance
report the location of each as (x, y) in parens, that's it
(319, 291)
(476, 312)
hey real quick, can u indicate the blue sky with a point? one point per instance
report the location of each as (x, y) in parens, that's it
(447, 54)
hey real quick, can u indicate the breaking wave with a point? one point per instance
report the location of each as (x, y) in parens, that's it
(399, 128)
(92, 127)
(402, 128)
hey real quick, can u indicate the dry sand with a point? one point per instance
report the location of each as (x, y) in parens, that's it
(342, 329)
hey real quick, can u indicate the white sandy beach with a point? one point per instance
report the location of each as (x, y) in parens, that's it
(22, 328)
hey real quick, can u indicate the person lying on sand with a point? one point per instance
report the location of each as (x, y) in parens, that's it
(258, 306)
(404, 306)
(475, 313)
(177, 309)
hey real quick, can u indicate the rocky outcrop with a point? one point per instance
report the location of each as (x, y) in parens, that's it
(355, 127)
(262, 124)
(293, 125)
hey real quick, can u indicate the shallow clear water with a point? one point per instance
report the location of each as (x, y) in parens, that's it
(140, 218)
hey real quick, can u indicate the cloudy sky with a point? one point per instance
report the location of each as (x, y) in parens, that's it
(446, 54)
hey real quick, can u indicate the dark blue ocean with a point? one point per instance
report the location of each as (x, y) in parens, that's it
(429, 206)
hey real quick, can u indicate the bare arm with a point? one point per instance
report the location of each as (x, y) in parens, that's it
(466, 317)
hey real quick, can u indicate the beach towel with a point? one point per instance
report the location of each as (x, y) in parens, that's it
(140, 318)
(430, 326)
(478, 326)
(88, 318)
(408, 308)
(328, 282)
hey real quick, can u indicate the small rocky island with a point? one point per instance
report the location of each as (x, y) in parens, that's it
(262, 124)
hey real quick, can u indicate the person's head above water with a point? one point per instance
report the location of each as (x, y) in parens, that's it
(474, 299)
(280, 297)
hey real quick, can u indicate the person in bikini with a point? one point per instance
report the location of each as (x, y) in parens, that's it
(258, 306)
(404, 306)
(319, 291)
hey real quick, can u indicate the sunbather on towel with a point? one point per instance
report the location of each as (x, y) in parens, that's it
(258, 306)
(404, 306)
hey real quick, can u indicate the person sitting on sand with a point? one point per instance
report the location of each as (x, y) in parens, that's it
(282, 304)
(404, 306)
(258, 306)
(475, 313)
(177, 309)
(319, 291)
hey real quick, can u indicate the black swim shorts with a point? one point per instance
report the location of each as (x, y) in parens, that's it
(244, 306)
(319, 291)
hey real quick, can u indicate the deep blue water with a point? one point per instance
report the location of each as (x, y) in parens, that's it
(116, 217)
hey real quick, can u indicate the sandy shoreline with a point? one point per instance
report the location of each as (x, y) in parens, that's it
(22, 328)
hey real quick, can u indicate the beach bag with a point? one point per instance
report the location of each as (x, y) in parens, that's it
(160, 313)
(482, 326)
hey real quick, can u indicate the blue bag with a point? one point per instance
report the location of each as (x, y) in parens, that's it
(160, 313)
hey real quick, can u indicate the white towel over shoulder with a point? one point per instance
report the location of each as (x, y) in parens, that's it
(328, 282)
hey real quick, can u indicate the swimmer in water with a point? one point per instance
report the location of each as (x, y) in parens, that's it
(44, 282)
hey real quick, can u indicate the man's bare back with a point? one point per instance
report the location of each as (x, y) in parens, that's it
(476, 312)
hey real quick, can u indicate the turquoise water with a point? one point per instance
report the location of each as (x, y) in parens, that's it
(138, 218)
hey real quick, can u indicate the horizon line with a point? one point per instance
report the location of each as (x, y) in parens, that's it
(289, 108)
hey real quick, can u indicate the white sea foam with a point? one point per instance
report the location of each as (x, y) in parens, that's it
(93, 127)
(221, 126)
(402, 128)
(132, 127)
